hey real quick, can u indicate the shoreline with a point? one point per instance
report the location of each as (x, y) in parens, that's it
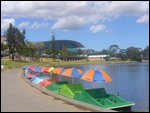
(18, 64)
(76, 103)
(18, 96)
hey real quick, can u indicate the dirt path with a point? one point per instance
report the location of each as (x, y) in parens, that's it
(18, 96)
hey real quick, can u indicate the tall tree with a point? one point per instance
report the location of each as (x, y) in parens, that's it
(113, 49)
(133, 53)
(14, 38)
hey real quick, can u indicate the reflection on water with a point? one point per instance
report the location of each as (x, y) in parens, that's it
(130, 80)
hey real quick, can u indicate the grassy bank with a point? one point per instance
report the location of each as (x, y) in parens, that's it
(8, 64)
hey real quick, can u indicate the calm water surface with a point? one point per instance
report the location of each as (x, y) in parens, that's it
(130, 81)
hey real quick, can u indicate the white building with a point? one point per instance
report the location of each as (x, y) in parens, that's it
(3, 40)
(97, 57)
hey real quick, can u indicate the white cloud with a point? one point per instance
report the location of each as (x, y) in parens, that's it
(97, 28)
(5, 23)
(75, 22)
(37, 25)
(70, 15)
(68, 23)
(42, 9)
(54, 9)
(127, 8)
(143, 19)
(24, 24)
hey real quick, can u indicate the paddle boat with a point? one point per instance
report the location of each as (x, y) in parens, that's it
(47, 82)
(39, 78)
(96, 96)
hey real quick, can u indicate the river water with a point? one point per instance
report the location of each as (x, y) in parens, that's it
(129, 80)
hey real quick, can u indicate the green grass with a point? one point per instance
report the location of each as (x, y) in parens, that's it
(8, 64)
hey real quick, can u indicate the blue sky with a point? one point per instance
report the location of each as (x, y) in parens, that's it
(96, 25)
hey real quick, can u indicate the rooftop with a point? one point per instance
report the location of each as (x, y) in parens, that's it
(97, 55)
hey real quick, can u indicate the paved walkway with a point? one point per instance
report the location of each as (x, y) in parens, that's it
(18, 96)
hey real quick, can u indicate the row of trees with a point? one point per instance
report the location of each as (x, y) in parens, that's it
(64, 53)
(133, 53)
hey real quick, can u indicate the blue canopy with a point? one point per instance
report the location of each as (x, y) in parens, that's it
(38, 69)
(25, 67)
(35, 67)
(39, 78)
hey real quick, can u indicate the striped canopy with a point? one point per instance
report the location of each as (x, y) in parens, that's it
(31, 67)
(25, 67)
(45, 69)
(50, 69)
(35, 68)
(58, 70)
(96, 75)
(72, 72)
(38, 69)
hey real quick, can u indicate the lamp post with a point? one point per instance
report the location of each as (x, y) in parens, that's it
(53, 46)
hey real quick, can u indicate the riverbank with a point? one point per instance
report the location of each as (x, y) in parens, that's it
(18, 96)
(81, 105)
(8, 64)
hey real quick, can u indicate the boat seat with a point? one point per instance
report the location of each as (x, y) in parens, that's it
(113, 100)
(97, 93)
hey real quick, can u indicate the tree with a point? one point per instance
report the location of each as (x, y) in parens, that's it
(4, 47)
(79, 51)
(26, 49)
(39, 47)
(14, 38)
(104, 51)
(21, 50)
(48, 51)
(145, 52)
(122, 54)
(133, 53)
(65, 53)
(31, 47)
(113, 49)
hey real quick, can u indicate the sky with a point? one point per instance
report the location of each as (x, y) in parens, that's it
(95, 24)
